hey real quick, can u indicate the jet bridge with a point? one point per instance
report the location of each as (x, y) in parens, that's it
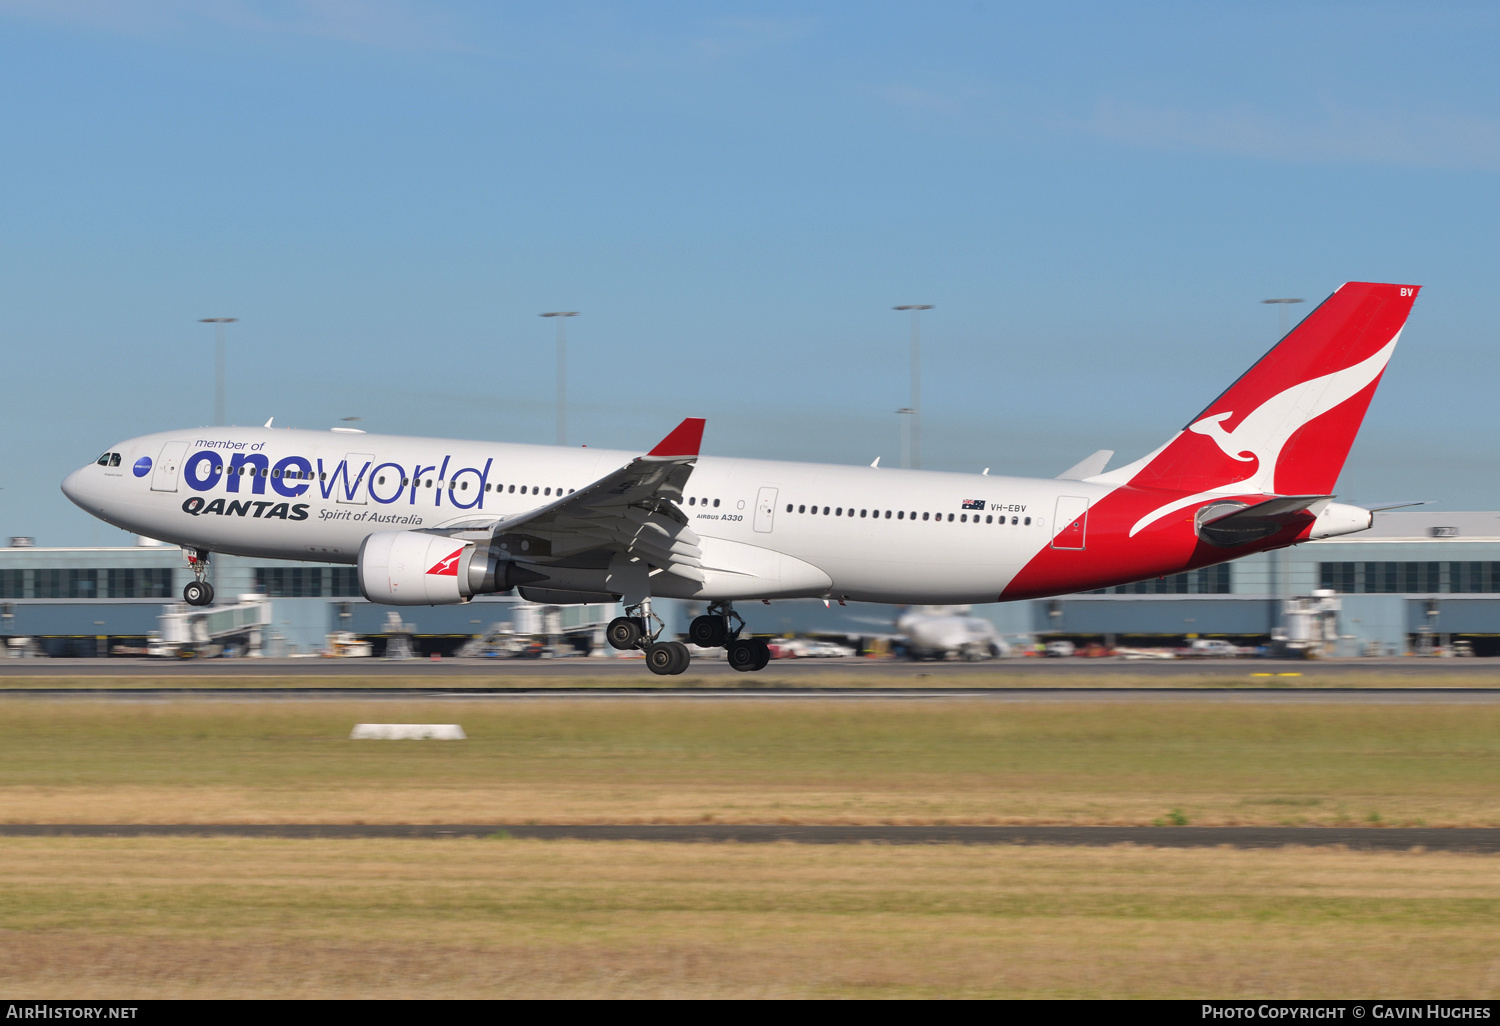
(187, 631)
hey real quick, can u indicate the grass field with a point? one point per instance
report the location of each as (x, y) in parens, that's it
(217, 917)
(223, 917)
(805, 762)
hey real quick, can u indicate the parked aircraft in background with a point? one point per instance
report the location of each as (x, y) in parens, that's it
(935, 632)
(434, 521)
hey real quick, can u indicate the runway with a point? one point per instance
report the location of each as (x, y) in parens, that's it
(1279, 696)
(1007, 671)
(1484, 840)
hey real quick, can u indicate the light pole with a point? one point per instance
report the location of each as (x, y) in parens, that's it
(1273, 558)
(906, 412)
(915, 409)
(1282, 304)
(218, 323)
(562, 371)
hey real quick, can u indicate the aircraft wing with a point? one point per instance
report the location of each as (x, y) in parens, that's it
(632, 510)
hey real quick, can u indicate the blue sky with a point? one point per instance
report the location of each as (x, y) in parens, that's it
(1095, 197)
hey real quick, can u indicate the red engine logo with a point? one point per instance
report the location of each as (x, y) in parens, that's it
(448, 565)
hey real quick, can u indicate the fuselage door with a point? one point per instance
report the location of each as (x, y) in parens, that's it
(765, 510)
(164, 477)
(1072, 522)
(351, 479)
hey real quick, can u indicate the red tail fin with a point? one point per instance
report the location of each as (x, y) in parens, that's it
(1285, 427)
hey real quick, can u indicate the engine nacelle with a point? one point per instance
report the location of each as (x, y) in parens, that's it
(411, 568)
(414, 568)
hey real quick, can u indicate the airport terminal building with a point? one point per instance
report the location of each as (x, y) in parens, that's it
(1416, 581)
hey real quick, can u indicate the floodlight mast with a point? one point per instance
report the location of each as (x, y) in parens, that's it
(1282, 304)
(1273, 557)
(562, 371)
(218, 323)
(914, 411)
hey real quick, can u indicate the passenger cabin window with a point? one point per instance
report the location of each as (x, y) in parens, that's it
(716, 504)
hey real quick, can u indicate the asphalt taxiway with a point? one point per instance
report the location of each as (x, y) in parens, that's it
(1301, 696)
(1484, 840)
(1017, 671)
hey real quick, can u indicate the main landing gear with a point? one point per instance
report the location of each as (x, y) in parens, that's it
(639, 628)
(720, 627)
(199, 592)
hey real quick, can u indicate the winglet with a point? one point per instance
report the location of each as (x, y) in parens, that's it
(683, 441)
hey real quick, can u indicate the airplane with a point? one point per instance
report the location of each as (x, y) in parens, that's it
(435, 521)
(932, 632)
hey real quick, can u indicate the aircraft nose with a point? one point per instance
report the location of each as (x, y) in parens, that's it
(73, 486)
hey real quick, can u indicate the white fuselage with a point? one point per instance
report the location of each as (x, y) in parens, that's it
(883, 535)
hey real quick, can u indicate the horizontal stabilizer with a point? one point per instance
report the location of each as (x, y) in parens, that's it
(1088, 466)
(1376, 507)
(1280, 506)
(1228, 524)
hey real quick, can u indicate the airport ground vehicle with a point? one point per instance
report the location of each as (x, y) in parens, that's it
(431, 521)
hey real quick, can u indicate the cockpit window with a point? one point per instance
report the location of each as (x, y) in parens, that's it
(114, 459)
(103, 461)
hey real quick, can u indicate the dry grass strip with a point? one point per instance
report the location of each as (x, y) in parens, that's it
(217, 917)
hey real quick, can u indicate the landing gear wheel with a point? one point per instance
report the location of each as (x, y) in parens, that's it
(762, 653)
(669, 657)
(624, 633)
(744, 654)
(198, 593)
(708, 631)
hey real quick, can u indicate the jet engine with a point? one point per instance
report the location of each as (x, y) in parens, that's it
(414, 568)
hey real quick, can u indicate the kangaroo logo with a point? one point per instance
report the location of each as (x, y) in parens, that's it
(1263, 433)
(1259, 438)
(448, 565)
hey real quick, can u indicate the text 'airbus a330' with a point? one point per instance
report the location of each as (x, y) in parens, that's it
(431, 521)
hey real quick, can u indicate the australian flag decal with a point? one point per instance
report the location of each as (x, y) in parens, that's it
(973, 504)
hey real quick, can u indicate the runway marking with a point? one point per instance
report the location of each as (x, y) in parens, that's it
(1484, 840)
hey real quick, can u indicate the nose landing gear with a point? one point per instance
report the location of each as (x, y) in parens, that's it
(199, 592)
